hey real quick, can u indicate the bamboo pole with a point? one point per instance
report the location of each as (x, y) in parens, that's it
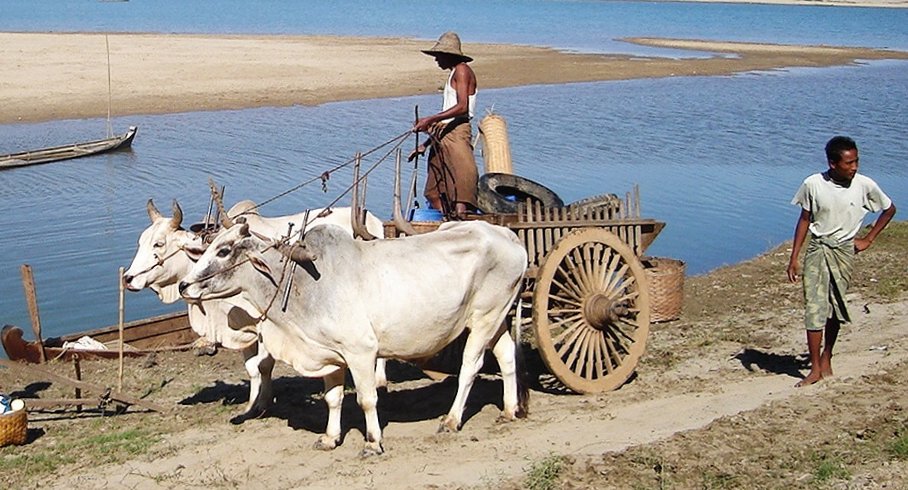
(120, 328)
(78, 368)
(31, 297)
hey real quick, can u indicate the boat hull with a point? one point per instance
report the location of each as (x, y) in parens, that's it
(161, 333)
(67, 152)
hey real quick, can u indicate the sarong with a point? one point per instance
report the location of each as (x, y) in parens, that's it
(826, 277)
(452, 174)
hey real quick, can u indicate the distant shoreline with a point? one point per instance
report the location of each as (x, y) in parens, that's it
(813, 3)
(170, 73)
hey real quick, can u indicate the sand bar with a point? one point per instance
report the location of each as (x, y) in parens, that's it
(50, 76)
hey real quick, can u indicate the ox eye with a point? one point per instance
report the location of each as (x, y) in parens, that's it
(223, 252)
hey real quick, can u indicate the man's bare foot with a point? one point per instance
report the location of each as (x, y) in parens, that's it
(826, 367)
(811, 378)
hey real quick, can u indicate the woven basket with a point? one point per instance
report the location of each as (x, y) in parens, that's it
(13, 428)
(496, 150)
(666, 287)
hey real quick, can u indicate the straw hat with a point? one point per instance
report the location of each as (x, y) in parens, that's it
(448, 43)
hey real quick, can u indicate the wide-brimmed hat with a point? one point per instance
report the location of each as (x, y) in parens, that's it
(448, 43)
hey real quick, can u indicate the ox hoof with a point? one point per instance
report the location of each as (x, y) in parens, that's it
(449, 425)
(372, 449)
(504, 418)
(325, 443)
(253, 413)
(206, 350)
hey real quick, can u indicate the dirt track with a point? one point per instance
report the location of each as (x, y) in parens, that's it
(714, 393)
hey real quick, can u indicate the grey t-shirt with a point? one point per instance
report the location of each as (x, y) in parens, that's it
(839, 211)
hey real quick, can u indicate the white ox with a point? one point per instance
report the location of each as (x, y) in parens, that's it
(354, 301)
(161, 262)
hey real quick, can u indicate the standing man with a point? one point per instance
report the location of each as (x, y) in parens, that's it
(452, 174)
(833, 206)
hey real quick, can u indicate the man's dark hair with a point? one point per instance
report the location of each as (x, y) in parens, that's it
(837, 145)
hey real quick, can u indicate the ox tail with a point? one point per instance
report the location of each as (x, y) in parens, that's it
(523, 374)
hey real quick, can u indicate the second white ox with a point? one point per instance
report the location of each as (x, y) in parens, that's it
(352, 302)
(161, 262)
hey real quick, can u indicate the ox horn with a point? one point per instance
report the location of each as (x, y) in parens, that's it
(177, 219)
(153, 212)
(400, 223)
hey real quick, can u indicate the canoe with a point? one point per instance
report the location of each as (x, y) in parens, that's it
(161, 333)
(66, 152)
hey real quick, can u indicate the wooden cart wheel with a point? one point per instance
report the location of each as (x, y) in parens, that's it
(591, 310)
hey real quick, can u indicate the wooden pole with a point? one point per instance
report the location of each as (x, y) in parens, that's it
(78, 367)
(31, 297)
(45, 375)
(120, 328)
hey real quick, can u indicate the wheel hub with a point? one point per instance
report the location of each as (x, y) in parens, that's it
(600, 311)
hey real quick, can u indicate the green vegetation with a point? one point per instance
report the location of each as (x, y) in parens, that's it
(899, 447)
(544, 474)
(829, 468)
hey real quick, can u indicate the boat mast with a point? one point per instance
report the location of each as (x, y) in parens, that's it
(109, 129)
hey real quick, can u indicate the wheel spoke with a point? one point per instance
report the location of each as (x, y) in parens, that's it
(568, 285)
(613, 284)
(584, 359)
(593, 360)
(561, 299)
(609, 271)
(613, 351)
(606, 358)
(572, 260)
(575, 349)
(568, 330)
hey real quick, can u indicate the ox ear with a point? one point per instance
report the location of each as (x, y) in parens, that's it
(262, 267)
(177, 219)
(153, 212)
(195, 250)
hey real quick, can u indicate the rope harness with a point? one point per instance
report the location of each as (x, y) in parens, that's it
(287, 269)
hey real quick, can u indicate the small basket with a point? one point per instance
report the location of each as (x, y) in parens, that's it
(666, 287)
(14, 428)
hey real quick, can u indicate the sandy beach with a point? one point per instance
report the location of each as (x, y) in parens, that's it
(52, 76)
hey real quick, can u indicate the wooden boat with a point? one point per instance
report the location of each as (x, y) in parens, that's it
(66, 152)
(167, 332)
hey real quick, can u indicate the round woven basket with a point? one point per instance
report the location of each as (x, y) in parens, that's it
(496, 150)
(13, 428)
(666, 286)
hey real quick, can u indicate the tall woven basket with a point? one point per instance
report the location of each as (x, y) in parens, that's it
(666, 286)
(13, 428)
(496, 150)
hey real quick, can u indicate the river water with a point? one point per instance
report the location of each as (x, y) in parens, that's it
(716, 158)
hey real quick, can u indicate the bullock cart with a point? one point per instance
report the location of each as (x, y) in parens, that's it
(585, 285)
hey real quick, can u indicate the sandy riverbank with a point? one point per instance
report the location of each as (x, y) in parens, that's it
(59, 76)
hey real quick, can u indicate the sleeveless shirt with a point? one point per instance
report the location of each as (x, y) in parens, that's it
(450, 98)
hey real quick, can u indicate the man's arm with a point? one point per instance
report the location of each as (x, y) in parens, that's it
(794, 267)
(861, 244)
(464, 83)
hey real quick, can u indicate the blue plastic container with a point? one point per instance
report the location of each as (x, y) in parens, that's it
(426, 214)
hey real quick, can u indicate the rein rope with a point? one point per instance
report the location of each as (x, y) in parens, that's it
(324, 176)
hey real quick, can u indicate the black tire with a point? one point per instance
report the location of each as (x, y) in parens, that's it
(499, 193)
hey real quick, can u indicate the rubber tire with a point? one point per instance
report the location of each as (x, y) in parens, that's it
(495, 188)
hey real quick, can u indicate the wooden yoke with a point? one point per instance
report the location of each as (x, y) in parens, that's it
(358, 212)
(400, 223)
